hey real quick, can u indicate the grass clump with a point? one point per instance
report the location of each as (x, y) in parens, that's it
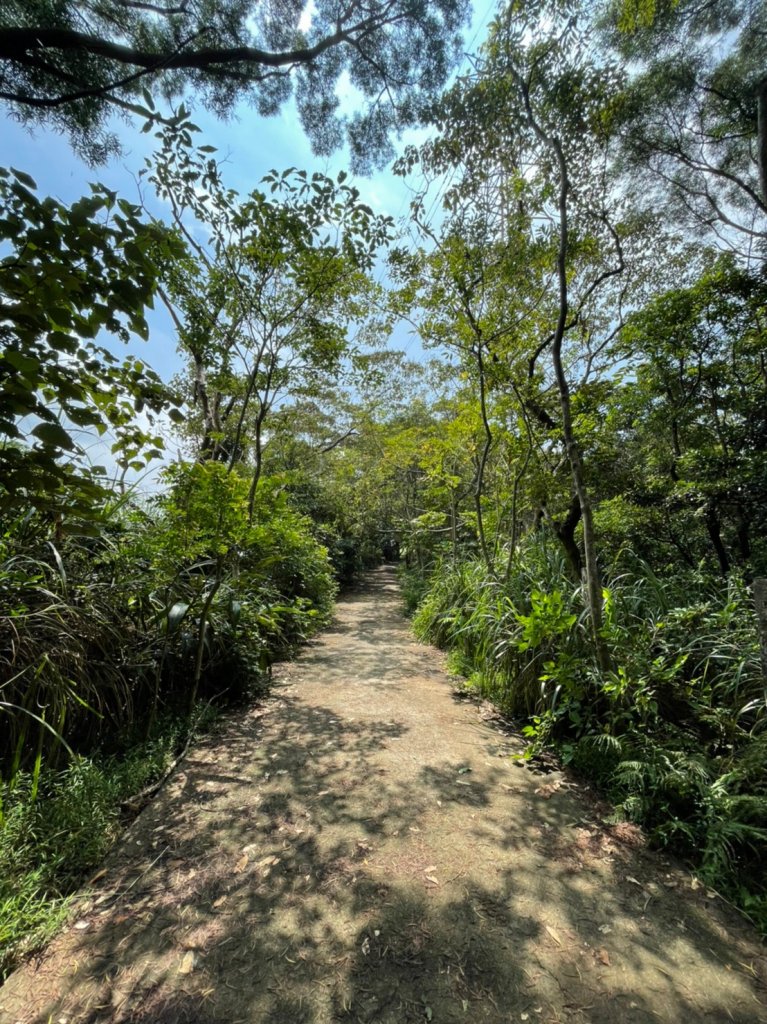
(56, 828)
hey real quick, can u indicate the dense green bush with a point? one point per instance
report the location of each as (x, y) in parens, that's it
(104, 631)
(675, 733)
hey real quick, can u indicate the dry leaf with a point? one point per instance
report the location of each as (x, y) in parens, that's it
(604, 957)
(432, 879)
(633, 881)
(605, 929)
(548, 790)
(81, 925)
(431, 868)
(242, 863)
(188, 962)
(553, 934)
(220, 901)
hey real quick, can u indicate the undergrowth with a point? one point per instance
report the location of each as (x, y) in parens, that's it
(675, 734)
(56, 828)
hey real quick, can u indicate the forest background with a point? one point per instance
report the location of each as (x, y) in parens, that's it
(573, 471)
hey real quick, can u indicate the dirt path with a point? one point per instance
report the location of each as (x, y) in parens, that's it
(362, 848)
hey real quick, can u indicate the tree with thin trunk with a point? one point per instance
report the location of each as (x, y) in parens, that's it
(263, 305)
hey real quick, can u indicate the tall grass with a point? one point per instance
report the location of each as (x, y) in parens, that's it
(100, 633)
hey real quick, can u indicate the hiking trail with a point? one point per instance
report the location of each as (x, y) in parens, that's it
(361, 847)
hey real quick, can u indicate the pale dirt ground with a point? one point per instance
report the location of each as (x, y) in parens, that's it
(326, 858)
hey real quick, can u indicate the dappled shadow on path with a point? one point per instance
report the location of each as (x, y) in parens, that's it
(356, 850)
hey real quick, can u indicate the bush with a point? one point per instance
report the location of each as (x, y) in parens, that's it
(104, 632)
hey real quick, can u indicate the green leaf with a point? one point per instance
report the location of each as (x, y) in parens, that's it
(176, 615)
(24, 178)
(54, 435)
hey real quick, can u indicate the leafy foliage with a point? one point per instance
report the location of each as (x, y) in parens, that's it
(71, 273)
(677, 733)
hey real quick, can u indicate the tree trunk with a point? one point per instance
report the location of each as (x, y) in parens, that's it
(480, 483)
(760, 601)
(565, 532)
(761, 106)
(714, 527)
(593, 577)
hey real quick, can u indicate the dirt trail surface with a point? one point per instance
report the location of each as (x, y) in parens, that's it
(362, 847)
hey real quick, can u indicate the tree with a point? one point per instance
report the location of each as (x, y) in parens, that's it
(698, 409)
(693, 116)
(69, 62)
(69, 274)
(264, 305)
(531, 125)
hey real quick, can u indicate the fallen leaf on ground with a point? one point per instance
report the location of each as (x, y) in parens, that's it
(548, 790)
(187, 963)
(242, 863)
(604, 957)
(431, 867)
(82, 925)
(432, 879)
(220, 901)
(553, 934)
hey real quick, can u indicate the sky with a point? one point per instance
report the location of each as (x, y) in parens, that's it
(249, 144)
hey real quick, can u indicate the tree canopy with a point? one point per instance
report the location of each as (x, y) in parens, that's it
(71, 63)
